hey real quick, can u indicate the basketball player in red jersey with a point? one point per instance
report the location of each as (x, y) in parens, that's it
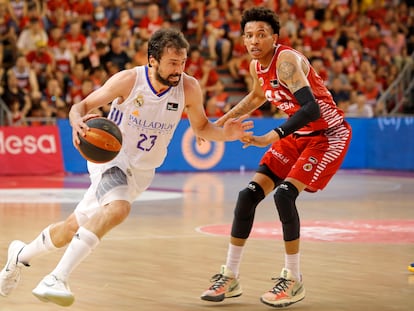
(305, 152)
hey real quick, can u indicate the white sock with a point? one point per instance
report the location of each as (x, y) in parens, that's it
(234, 254)
(82, 244)
(41, 245)
(292, 262)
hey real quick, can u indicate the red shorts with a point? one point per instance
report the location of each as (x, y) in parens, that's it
(312, 160)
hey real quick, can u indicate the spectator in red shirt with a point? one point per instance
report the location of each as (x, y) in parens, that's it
(308, 23)
(55, 34)
(314, 43)
(83, 10)
(41, 62)
(364, 71)
(289, 25)
(64, 61)
(317, 64)
(209, 79)
(371, 41)
(284, 37)
(194, 61)
(376, 11)
(99, 21)
(239, 63)
(329, 25)
(125, 19)
(233, 22)
(298, 9)
(351, 56)
(151, 22)
(216, 100)
(53, 5)
(33, 10)
(372, 91)
(239, 70)
(77, 40)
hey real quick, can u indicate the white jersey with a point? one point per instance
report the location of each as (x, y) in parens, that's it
(148, 121)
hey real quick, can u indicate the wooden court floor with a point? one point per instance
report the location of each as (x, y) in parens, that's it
(357, 241)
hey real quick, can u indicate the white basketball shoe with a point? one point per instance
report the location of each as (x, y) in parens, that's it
(10, 275)
(52, 289)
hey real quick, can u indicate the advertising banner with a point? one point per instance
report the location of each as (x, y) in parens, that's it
(30, 151)
(377, 143)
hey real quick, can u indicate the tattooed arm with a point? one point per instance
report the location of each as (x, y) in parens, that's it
(249, 103)
(292, 70)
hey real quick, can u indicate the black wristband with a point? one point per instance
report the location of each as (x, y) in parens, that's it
(279, 132)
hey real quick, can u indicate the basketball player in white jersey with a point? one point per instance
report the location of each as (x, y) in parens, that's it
(147, 103)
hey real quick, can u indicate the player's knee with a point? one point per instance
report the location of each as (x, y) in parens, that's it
(248, 199)
(245, 209)
(62, 232)
(285, 200)
(116, 212)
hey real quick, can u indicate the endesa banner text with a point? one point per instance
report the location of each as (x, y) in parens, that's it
(30, 151)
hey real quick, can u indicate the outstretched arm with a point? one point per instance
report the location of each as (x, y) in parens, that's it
(234, 128)
(249, 103)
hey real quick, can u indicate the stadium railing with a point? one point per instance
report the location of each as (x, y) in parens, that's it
(400, 92)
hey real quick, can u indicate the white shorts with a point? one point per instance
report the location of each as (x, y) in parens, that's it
(137, 182)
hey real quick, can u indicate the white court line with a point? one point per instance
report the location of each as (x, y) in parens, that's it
(152, 237)
(30, 195)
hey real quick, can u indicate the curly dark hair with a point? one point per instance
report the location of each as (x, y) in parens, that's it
(166, 38)
(261, 14)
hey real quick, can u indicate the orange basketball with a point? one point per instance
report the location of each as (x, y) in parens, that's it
(102, 142)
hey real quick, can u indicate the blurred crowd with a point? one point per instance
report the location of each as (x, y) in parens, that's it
(53, 53)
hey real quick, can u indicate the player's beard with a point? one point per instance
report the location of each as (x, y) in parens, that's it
(166, 81)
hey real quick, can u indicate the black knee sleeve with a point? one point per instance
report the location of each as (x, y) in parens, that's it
(245, 209)
(285, 200)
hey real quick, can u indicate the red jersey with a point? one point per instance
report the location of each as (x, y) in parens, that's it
(279, 95)
(151, 26)
(82, 8)
(63, 60)
(39, 60)
(213, 76)
(76, 43)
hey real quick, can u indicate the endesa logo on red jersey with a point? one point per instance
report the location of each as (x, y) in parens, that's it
(30, 151)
